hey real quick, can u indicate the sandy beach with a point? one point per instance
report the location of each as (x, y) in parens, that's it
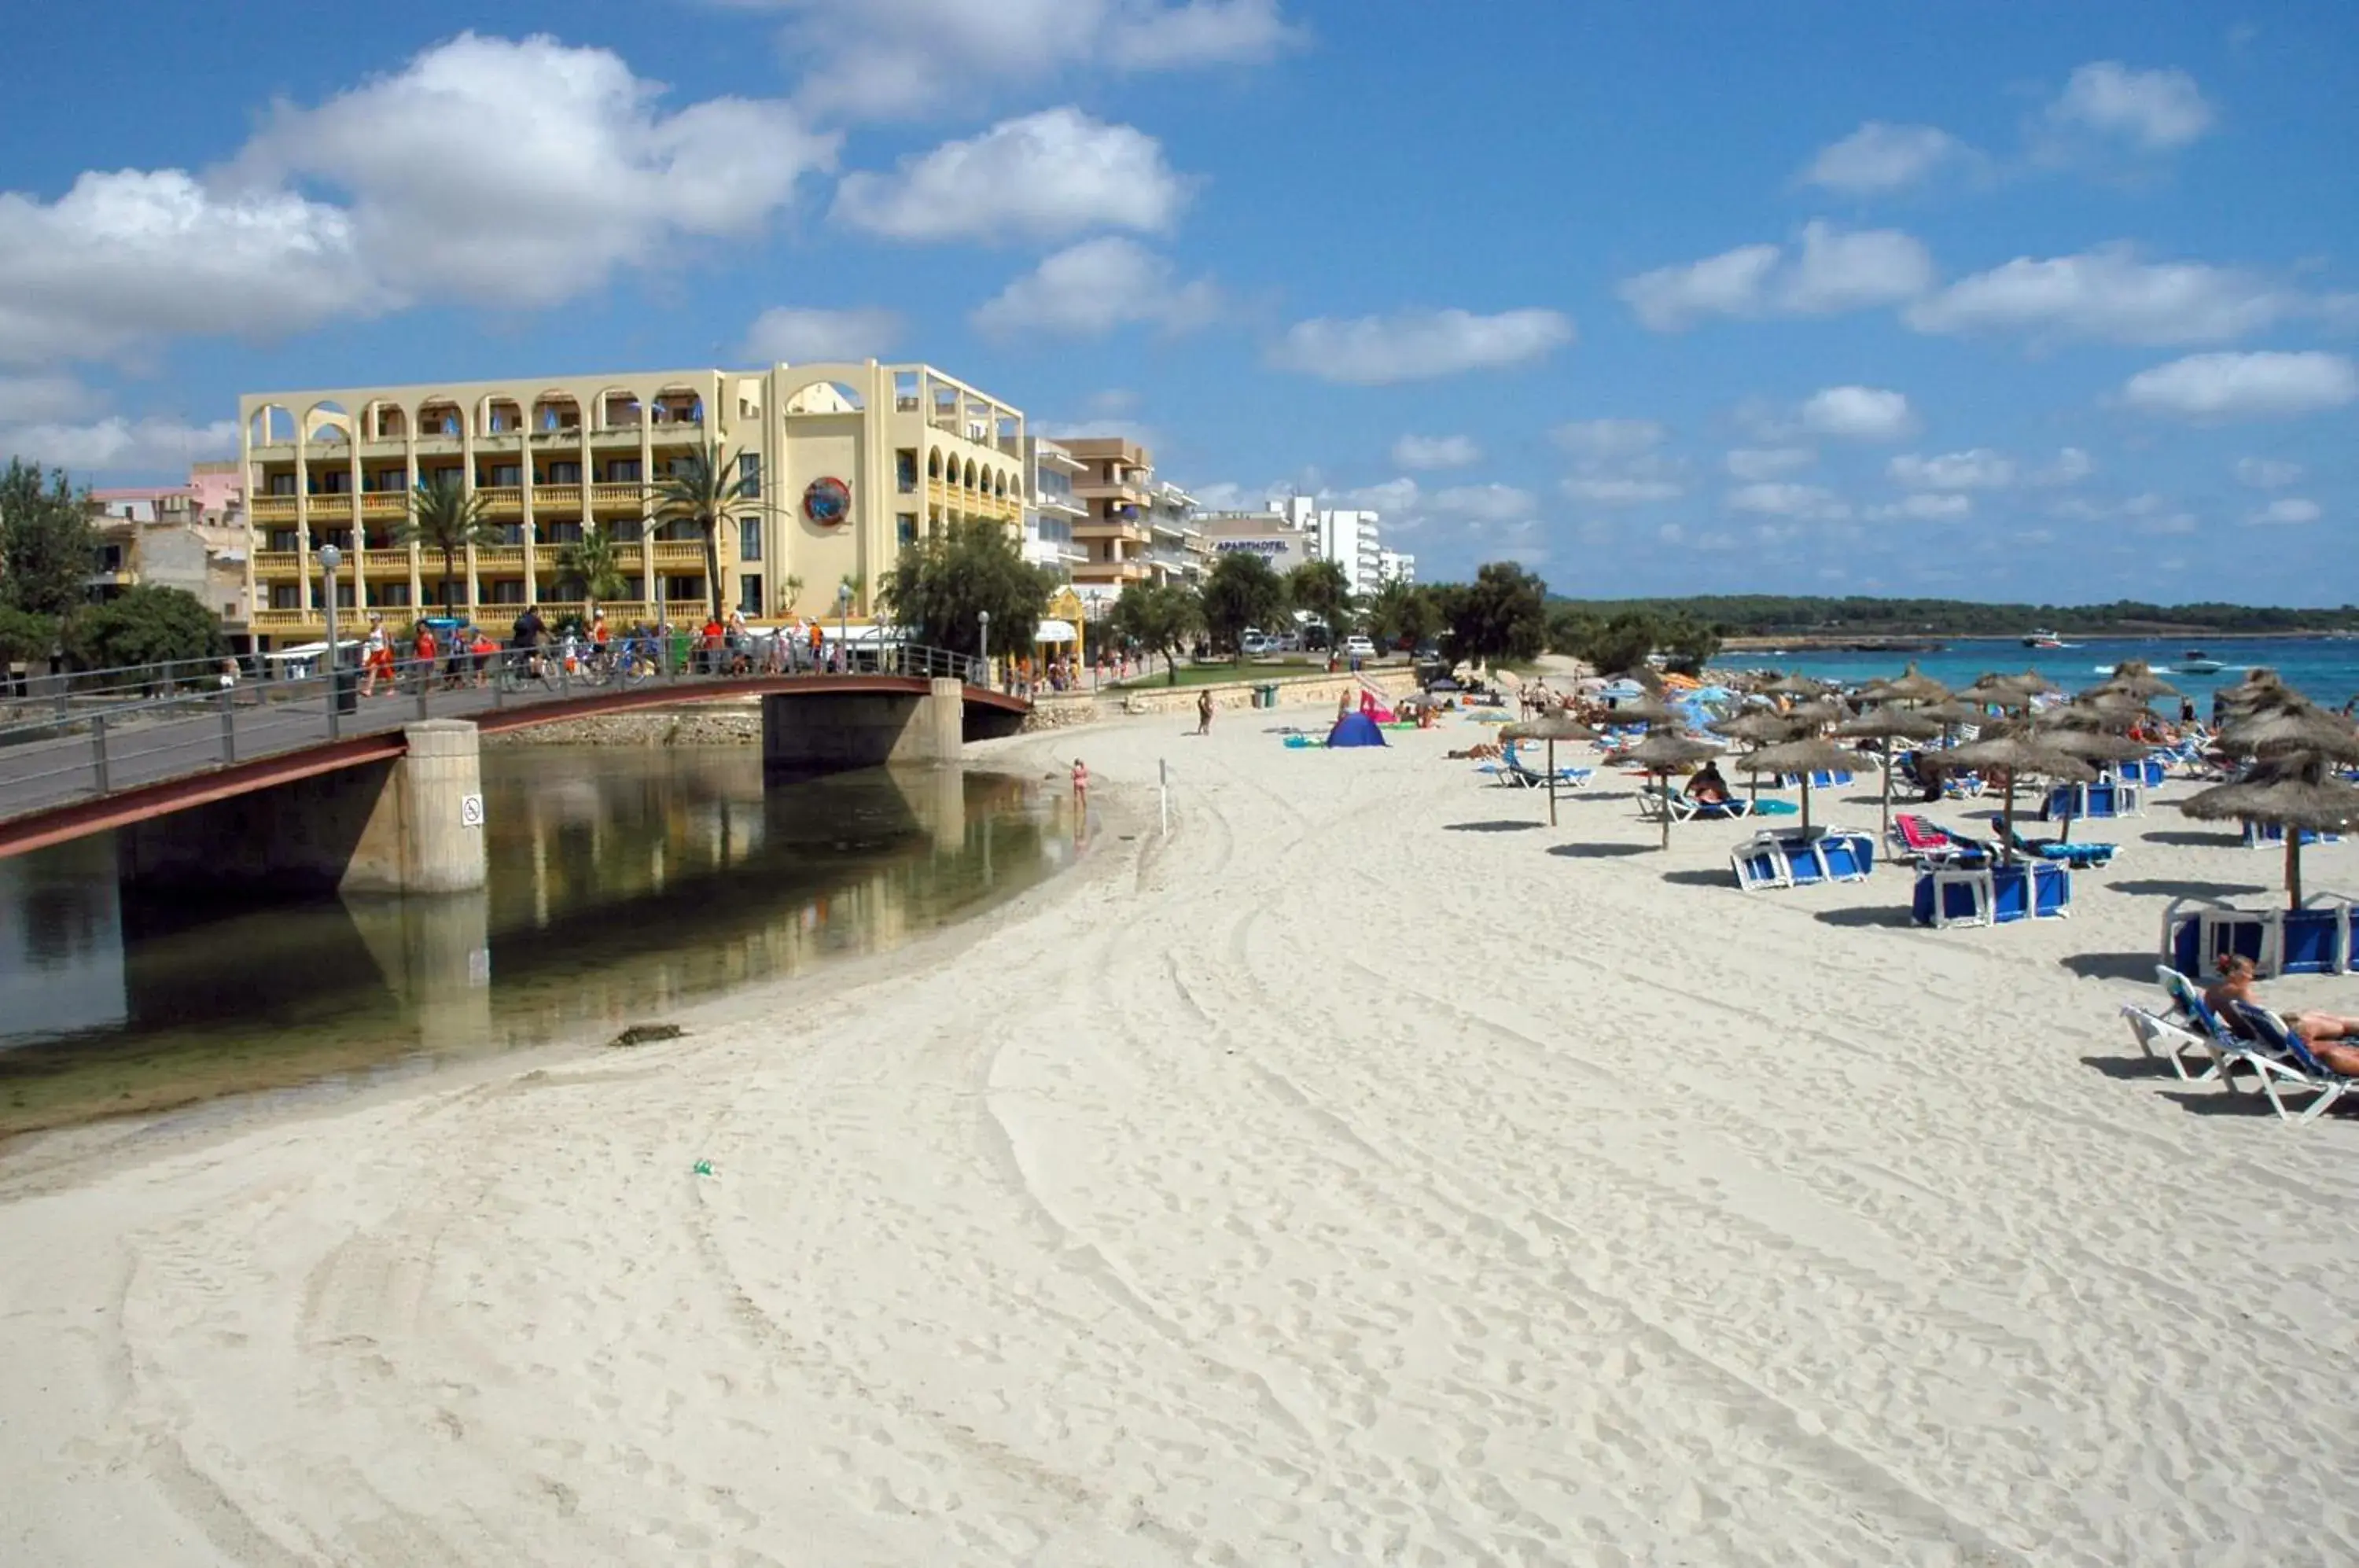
(1365, 1172)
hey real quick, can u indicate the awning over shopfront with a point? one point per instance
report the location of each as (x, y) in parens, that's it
(1056, 632)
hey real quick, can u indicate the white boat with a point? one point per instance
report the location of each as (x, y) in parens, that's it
(2043, 640)
(2198, 663)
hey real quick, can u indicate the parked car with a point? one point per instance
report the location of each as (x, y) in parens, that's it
(1357, 646)
(1254, 644)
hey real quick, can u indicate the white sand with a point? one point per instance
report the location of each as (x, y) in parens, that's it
(1362, 1174)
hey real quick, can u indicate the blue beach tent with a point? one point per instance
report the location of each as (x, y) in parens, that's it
(1355, 729)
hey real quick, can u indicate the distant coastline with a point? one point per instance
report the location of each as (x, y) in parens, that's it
(1765, 643)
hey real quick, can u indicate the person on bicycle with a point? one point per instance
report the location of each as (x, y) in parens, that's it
(530, 628)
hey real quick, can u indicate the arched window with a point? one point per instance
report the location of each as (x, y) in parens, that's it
(934, 463)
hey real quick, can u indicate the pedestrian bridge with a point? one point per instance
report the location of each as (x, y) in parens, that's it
(306, 782)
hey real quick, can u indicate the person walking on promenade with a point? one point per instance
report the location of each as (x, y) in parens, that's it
(1203, 712)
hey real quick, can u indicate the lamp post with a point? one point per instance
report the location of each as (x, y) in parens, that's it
(985, 616)
(330, 558)
(843, 625)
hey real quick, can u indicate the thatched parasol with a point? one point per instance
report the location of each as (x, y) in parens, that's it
(1756, 729)
(1811, 714)
(2135, 678)
(1661, 752)
(1909, 686)
(2018, 754)
(1795, 685)
(1996, 691)
(1551, 728)
(1804, 756)
(1650, 710)
(1889, 724)
(2291, 797)
(2090, 747)
(2306, 728)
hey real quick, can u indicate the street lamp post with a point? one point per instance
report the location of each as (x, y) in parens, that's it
(330, 558)
(844, 626)
(986, 615)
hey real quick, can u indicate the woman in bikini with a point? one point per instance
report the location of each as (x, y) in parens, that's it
(2326, 1035)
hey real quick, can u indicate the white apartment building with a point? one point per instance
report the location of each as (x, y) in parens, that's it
(1352, 539)
(1396, 566)
(1051, 509)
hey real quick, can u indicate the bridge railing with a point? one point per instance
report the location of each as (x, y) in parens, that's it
(49, 757)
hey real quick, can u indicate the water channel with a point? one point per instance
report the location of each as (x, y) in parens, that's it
(623, 882)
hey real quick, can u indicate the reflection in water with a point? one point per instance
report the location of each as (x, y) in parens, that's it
(622, 882)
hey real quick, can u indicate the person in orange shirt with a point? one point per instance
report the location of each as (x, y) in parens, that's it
(423, 650)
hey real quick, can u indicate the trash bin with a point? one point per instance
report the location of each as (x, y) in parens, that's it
(347, 680)
(1265, 696)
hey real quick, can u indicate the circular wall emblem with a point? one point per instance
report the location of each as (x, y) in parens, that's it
(828, 502)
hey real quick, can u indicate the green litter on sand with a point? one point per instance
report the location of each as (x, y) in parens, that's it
(702, 1168)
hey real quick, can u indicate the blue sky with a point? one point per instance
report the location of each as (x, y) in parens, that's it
(2053, 302)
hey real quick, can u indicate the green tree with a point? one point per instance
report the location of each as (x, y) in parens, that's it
(1569, 629)
(942, 585)
(1503, 614)
(1160, 618)
(446, 517)
(25, 638)
(1688, 644)
(594, 563)
(705, 491)
(1320, 589)
(1621, 643)
(144, 626)
(1402, 612)
(47, 545)
(1240, 591)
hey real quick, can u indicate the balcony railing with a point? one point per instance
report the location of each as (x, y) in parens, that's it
(502, 501)
(272, 508)
(267, 620)
(388, 563)
(618, 498)
(385, 504)
(678, 552)
(500, 558)
(556, 498)
(277, 562)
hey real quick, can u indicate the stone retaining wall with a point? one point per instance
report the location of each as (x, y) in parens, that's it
(1293, 691)
(732, 722)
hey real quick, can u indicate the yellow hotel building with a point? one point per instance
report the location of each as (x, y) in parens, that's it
(846, 464)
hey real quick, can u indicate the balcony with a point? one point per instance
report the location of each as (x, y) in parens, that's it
(331, 510)
(272, 508)
(502, 501)
(386, 562)
(283, 620)
(1109, 571)
(1101, 490)
(1110, 529)
(499, 558)
(678, 552)
(630, 499)
(383, 504)
(277, 564)
(556, 498)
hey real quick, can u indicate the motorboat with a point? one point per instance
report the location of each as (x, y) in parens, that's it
(2043, 640)
(2195, 661)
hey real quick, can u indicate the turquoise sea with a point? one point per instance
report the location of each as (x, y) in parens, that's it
(2323, 669)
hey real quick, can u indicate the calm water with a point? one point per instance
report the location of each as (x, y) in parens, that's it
(622, 882)
(2324, 669)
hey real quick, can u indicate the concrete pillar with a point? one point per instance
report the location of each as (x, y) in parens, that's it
(426, 835)
(945, 718)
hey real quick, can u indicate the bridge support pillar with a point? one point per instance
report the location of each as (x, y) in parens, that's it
(413, 825)
(817, 731)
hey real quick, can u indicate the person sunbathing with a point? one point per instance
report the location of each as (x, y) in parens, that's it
(2323, 1033)
(1707, 788)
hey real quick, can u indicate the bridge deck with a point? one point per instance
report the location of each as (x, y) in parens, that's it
(166, 757)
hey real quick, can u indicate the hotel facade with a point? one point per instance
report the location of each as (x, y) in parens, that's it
(843, 464)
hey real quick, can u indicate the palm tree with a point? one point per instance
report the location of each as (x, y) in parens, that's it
(449, 518)
(704, 491)
(593, 563)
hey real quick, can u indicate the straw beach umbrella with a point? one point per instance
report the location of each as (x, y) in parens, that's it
(1804, 756)
(1889, 724)
(1910, 685)
(2136, 678)
(1756, 729)
(2307, 728)
(1551, 728)
(1796, 685)
(2090, 747)
(2289, 794)
(2019, 754)
(1663, 751)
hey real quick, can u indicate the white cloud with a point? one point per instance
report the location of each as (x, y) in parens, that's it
(1485, 503)
(526, 172)
(884, 59)
(1393, 497)
(122, 258)
(2244, 385)
(1730, 284)
(1858, 413)
(1088, 289)
(1786, 500)
(1878, 158)
(2109, 294)
(2153, 111)
(1436, 452)
(1832, 270)
(1608, 439)
(35, 398)
(2267, 473)
(1620, 490)
(2288, 509)
(2071, 466)
(1767, 462)
(1980, 469)
(1045, 176)
(796, 335)
(1377, 351)
(1925, 508)
(117, 445)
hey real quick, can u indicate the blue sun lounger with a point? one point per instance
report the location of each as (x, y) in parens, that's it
(2082, 854)
(2287, 1065)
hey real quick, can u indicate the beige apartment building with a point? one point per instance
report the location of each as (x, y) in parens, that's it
(1137, 528)
(845, 464)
